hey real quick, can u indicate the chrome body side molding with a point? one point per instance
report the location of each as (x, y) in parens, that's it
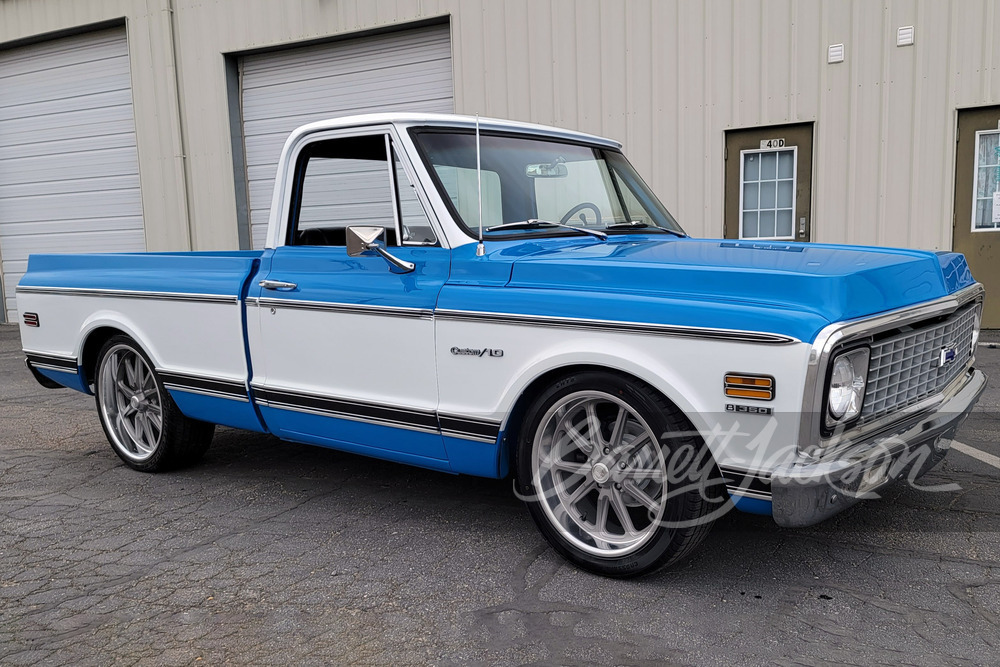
(345, 308)
(615, 327)
(128, 294)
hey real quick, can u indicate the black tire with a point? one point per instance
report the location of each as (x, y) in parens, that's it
(143, 424)
(565, 486)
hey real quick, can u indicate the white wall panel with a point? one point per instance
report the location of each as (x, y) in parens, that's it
(69, 179)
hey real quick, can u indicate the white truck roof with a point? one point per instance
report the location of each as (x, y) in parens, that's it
(448, 120)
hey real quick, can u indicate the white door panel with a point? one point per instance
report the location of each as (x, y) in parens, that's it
(347, 355)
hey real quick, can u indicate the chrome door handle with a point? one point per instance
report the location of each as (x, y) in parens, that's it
(277, 284)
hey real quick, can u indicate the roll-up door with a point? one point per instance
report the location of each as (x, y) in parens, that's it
(69, 170)
(401, 71)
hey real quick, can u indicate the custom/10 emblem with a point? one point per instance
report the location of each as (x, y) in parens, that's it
(477, 352)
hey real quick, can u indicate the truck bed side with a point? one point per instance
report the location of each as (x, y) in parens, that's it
(185, 310)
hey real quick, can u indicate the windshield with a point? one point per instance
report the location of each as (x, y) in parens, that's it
(536, 181)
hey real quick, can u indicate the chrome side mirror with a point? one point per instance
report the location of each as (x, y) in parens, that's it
(364, 241)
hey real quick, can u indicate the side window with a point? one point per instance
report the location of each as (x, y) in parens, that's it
(347, 182)
(417, 228)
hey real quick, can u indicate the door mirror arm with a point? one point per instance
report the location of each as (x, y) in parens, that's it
(364, 241)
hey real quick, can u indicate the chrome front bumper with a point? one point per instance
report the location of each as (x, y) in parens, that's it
(806, 491)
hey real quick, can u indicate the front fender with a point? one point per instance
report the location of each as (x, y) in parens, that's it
(689, 372)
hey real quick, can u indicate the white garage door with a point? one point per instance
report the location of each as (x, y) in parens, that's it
(69, 171)
(402, 71)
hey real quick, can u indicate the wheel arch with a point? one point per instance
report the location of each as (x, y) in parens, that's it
(98, 332)
(534, 388)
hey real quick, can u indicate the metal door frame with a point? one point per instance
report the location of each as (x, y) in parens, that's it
(981, 249)
(795, 167)
(975, 172)
(804, 161)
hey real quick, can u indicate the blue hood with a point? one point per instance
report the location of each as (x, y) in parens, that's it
(789, 288)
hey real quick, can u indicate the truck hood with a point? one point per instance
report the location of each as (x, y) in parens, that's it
(829, 283)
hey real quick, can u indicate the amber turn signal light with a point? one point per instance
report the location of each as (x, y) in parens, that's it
(759, 387)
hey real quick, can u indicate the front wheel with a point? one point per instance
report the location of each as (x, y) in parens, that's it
(143, 424)
(613, 475)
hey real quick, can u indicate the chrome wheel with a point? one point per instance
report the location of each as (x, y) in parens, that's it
(600, 473)
(130, 403)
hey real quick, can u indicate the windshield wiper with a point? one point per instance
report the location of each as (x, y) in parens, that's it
(635, 224)
(533, 223)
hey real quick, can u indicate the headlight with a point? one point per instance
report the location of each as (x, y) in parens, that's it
(847, 386)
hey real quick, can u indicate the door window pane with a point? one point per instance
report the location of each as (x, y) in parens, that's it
(768, 167)
(784, 225)
(767, 194)
(768, 202)
(785, 194)
(416, 226)
(985, 180)
(344, 182)
(767, 224)
(785, 164)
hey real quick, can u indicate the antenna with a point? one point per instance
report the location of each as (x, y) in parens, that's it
(480, 249)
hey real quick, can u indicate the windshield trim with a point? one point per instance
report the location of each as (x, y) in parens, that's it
(473, 232)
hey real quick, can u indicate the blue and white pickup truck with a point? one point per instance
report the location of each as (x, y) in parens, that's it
(501, 299)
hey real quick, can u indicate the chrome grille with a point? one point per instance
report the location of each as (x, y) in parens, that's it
(906, 368)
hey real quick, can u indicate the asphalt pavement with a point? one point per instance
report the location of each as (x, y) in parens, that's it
(275, 553)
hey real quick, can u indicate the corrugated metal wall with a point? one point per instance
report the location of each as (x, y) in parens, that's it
(69, 172)
(402, 71)
(667, 77)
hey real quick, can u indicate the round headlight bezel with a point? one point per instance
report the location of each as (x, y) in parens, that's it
(847, 380)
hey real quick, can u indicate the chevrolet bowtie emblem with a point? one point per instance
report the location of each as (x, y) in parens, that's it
(946, 356)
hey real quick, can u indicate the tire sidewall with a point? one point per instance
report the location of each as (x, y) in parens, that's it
(663, 543)
(155, 461)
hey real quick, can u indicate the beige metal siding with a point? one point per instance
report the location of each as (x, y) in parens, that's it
(667, 77)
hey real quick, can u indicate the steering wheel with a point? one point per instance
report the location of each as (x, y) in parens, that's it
(579, 207)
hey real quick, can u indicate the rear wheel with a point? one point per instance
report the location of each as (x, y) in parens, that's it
(613, 475)
(140, 420)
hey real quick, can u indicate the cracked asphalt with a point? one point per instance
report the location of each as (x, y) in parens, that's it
(275, 553)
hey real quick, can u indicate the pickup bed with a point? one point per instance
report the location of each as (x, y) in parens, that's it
(495, 298)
